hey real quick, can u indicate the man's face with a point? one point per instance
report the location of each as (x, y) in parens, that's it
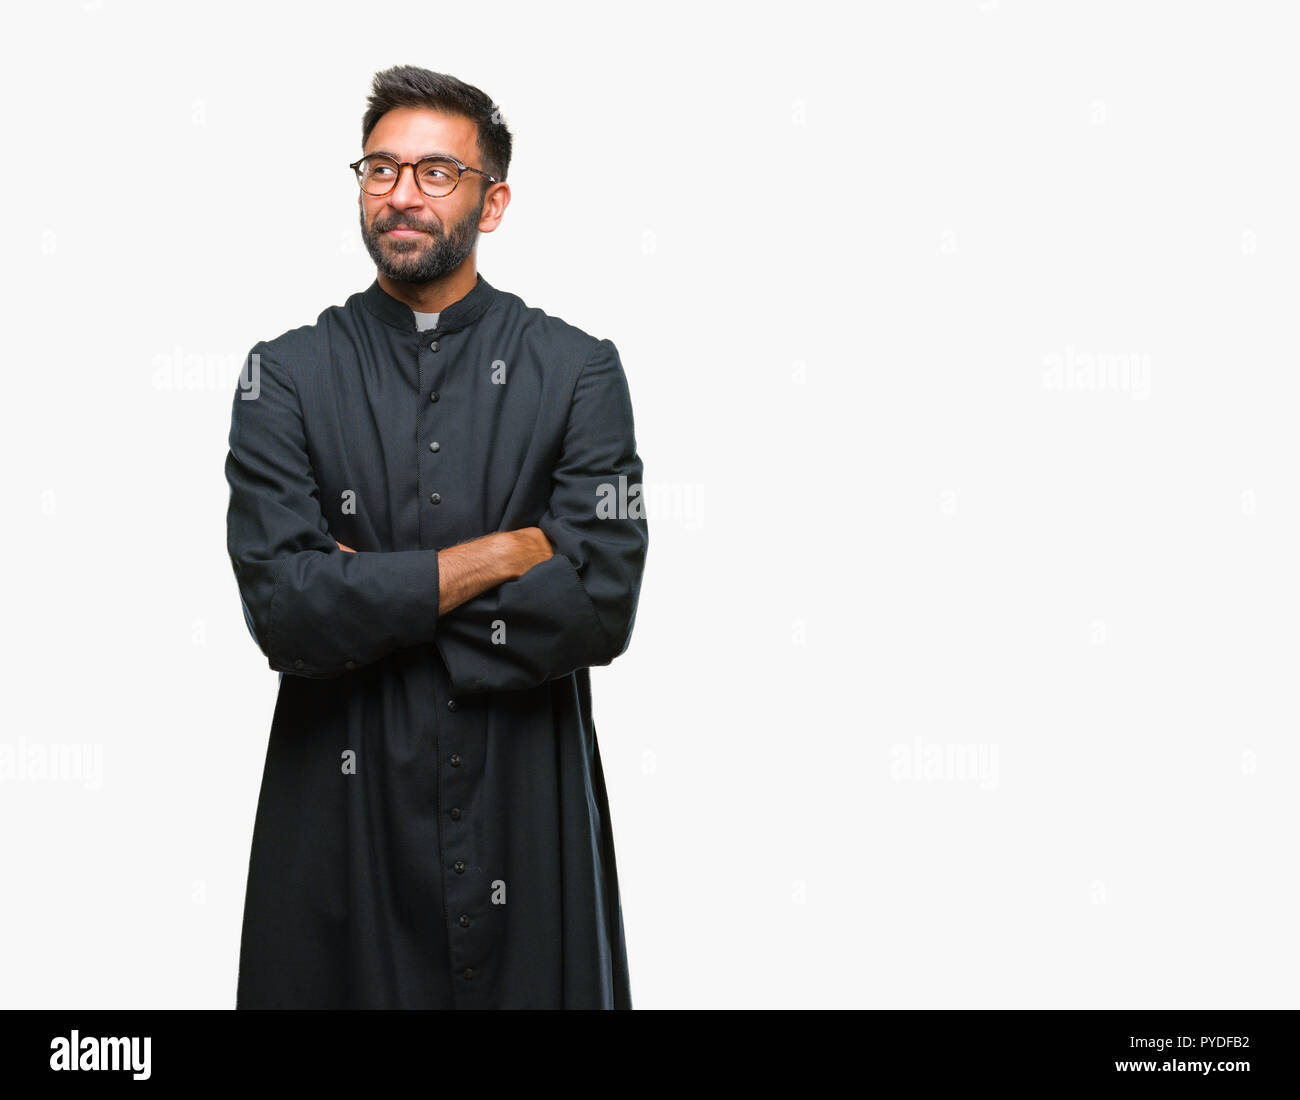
(448, 227)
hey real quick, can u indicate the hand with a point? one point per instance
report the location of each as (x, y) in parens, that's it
(347, 548)
(531, 547)
(470, 568)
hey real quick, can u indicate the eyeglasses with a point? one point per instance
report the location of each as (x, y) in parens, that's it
(437, 176)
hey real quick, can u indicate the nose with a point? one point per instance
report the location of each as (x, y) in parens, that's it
(405, 192)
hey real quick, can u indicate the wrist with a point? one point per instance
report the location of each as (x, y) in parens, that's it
(511, 555)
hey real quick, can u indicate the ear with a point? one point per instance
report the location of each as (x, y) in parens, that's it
(494, 206)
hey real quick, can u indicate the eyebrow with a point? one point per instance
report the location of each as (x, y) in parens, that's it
(386, 153)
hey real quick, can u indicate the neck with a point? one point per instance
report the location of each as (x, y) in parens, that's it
(437, 295)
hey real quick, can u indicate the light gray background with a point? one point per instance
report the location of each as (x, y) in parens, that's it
(955, 682)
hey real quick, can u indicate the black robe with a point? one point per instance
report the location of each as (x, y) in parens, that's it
(432, 829)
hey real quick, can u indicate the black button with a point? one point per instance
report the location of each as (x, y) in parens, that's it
(349, 664)
(433, 346)
(298, 663)
(455, 760)
(464, 920)
(459, 866)
(452, 704)
(435, 498)
(433, 396)
(435, 446)
(455, 813)
(468, 973)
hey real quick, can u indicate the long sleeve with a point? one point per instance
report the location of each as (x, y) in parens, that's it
(577, 608)
(314, 610)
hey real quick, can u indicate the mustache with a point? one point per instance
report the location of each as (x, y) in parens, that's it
(384, 227)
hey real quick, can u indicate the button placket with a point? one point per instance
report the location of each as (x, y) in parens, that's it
(458, 841)
(461, 859)
(434, 396)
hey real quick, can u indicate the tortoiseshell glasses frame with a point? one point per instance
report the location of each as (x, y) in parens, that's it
(383, 160)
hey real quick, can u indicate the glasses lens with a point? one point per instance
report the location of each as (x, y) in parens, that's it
(437, 176)
(377, 174)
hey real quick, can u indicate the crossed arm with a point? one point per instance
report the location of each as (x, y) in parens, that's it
(471, 568)
(531, 604)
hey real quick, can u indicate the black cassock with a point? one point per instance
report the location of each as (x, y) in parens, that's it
(432, 829)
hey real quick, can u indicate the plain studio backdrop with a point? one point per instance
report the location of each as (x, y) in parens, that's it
(961, 343)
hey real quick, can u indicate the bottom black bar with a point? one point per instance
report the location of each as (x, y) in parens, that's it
(1050, 1048)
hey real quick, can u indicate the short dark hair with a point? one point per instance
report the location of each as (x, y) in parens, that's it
(411, 86)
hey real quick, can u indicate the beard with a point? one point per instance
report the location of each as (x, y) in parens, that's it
(419, 259)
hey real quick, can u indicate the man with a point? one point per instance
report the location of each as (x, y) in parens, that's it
(435, 524)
